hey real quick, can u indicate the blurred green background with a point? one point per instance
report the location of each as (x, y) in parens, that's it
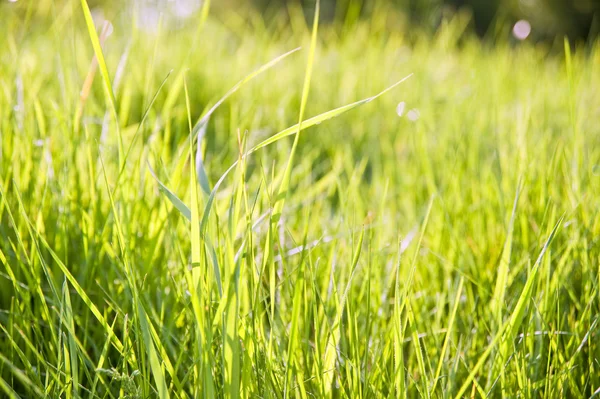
(578, 19)
(490, 19)
(550, 19)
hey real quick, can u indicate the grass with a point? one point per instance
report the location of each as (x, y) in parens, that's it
(162, 235)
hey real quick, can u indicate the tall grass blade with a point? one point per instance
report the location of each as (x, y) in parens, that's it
(91, 28)
(155, 364)
(333, 338)
(283, 189)
(451, 320)
(198, 289)
(497, 303)
(72, 345)
(511, 326)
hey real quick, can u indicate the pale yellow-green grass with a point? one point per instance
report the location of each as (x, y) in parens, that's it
(226, 214)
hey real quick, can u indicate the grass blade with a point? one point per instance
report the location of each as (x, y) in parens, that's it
(204, 119)
(497, 303)
(27, 383)
(438, 369)
(91, 28)
(322, 117)
(184, 210)
(283, 189)
(198, 290)
(516, 317)
(72, 345)
(155, 365)
(172, 197)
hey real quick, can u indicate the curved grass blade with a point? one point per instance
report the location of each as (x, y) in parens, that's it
(87, 83)
(103, 70)
(185, 211)
(322, 117)
(198, 132)
(174, 199)
(204, 119)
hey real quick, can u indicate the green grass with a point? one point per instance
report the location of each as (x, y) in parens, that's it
(223, 216)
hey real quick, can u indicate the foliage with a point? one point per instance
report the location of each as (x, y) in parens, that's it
(447, 246)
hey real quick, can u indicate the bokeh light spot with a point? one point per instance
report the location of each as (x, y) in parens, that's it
(522, 29)
(413, 115)
(400, 108)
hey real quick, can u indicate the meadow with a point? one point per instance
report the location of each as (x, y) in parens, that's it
(256, 207)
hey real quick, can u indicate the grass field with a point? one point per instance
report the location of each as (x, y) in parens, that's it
(441, 240)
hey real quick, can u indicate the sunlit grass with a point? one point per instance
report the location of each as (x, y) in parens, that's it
(158, 238)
